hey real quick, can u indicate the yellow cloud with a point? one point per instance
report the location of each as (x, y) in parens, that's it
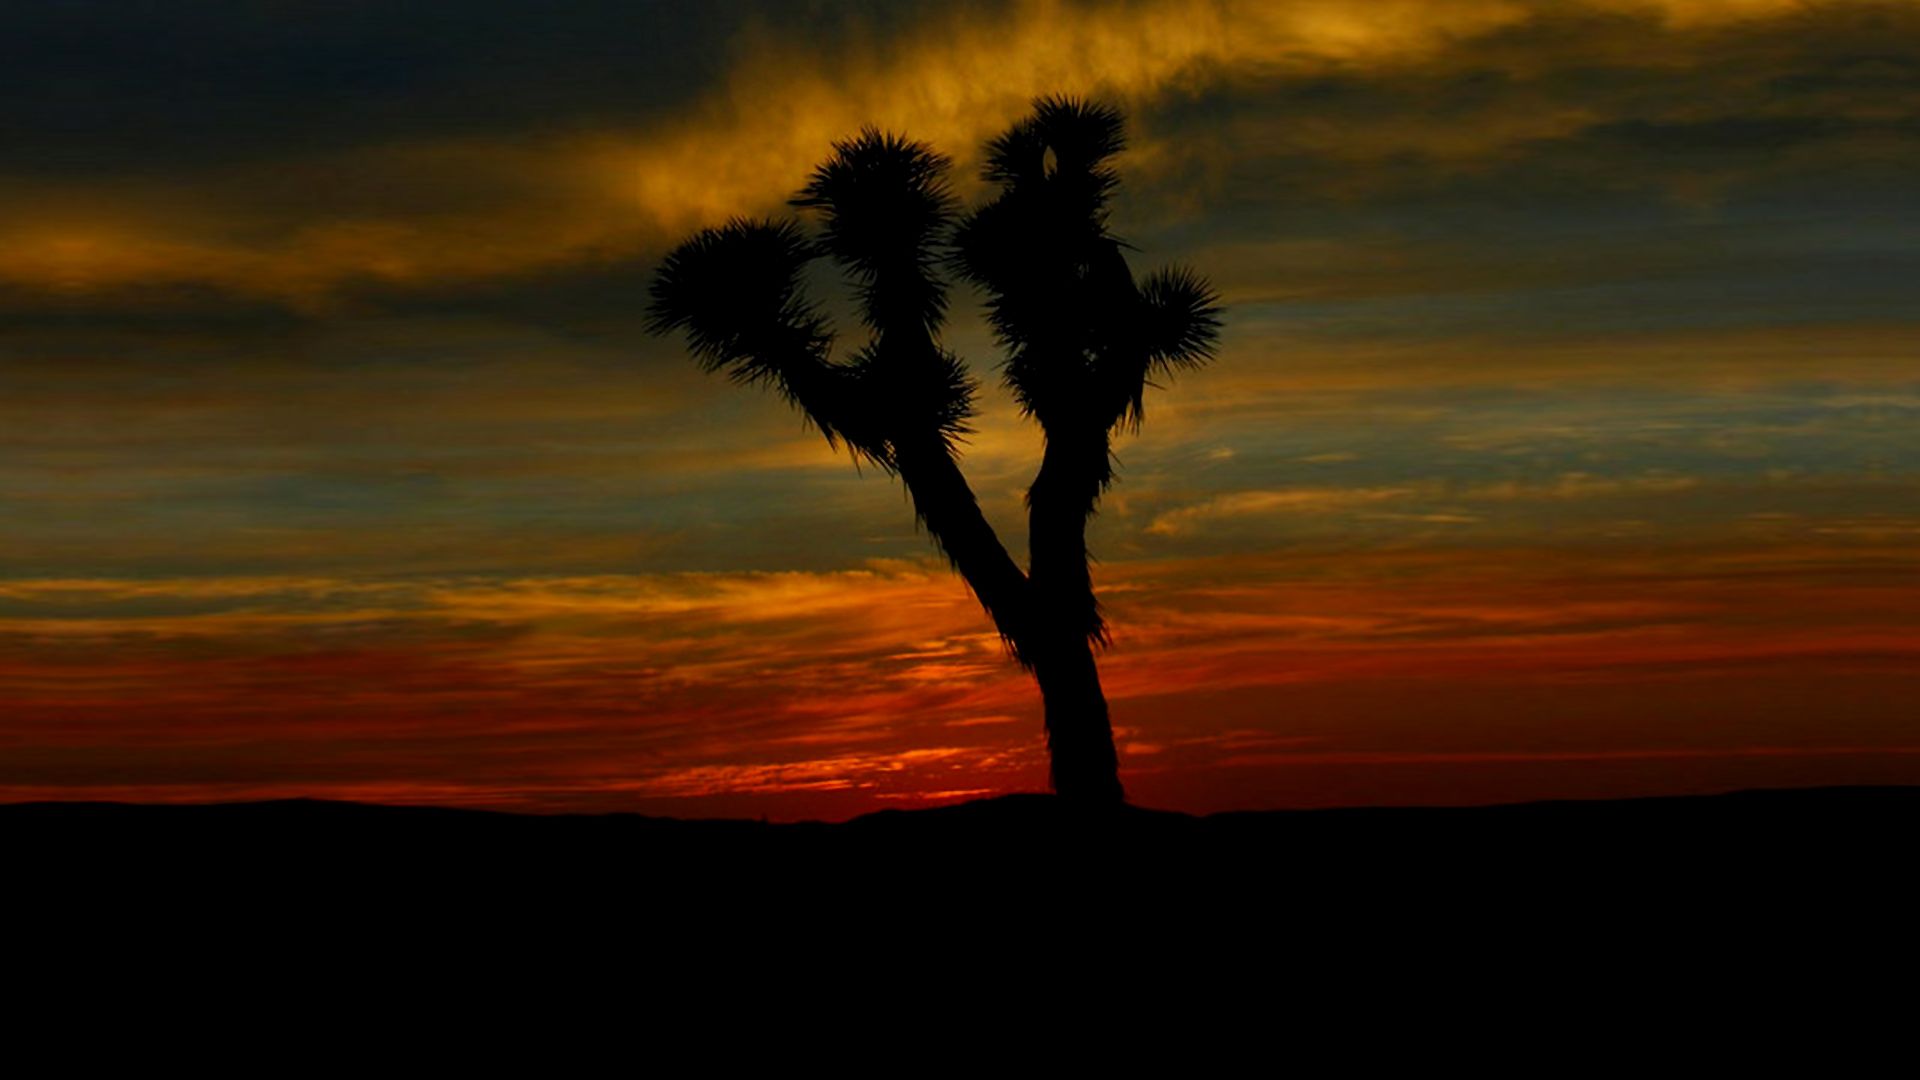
(545, 201)
(1242, 504)
(1332, 500)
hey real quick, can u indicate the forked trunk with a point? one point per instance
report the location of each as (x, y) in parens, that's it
(1048, 615)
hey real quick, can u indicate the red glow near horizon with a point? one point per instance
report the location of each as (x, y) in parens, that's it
(1236, 683)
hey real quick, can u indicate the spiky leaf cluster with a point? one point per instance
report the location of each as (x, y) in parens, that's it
(737, 291)
(1176, 327)
(1082, 338)
(884, 206)
(1067, 140)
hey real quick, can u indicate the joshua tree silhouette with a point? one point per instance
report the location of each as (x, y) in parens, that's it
(1083, 341)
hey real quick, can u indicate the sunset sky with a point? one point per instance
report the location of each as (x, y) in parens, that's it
(1562, 442)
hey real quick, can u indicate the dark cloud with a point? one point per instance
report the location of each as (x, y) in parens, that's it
(140, 86)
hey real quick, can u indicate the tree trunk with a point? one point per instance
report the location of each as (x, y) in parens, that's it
(1085, 766)
(943, 499)
(1066, 618)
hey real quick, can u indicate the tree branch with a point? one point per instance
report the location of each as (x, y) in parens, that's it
(943, 499)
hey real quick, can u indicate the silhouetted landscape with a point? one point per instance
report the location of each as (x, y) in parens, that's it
(1671, 844)
(1607, 911)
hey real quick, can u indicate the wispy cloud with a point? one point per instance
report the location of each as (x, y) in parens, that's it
(1332, 500)
(1245, 504)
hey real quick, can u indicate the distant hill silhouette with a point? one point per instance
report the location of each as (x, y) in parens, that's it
(1020, 836)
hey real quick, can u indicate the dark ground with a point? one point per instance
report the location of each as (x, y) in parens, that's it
(1551, 905)
(1806, 843)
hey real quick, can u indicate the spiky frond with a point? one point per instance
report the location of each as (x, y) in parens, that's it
(1081, 135)
(1053, 173)
(1180, 327)
(736, 291)
(994, 247)
(932, 398)
(1016, 156)
(942, 396)
(885, 203)
(1034, 275)
(1173, 324)
(1054, 276)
